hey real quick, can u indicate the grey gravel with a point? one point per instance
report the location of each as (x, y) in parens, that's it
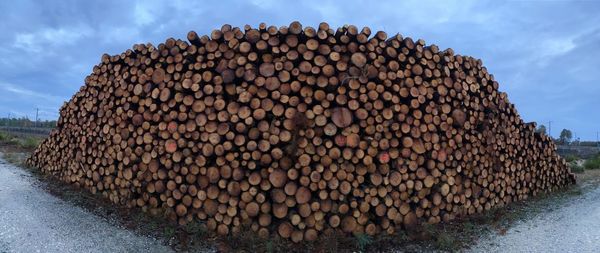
(32, 220)
(570, 227)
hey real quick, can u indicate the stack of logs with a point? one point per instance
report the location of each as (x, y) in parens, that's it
(296, 131)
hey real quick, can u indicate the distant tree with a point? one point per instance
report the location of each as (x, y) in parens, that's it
(541, 129)
(565, 136)
(25, 122)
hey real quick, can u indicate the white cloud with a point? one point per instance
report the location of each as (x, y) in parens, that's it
(142, 14)
(30, 93)
(26, 42)
(555, 47)
(37, 41)
(264, 4)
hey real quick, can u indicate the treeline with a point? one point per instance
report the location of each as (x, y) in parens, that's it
(26, 122)
(566, 137)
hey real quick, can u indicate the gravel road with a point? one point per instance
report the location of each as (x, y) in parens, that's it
(31, 220)
(570, 227)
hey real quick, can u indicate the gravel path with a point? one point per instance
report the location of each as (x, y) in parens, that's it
(572, 227)
(31, 220)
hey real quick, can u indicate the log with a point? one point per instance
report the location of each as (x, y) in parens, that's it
(295, 131)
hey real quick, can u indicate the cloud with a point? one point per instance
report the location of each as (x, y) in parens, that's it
(142, 14)
(39, 40)
(556, 47)
(29, 93)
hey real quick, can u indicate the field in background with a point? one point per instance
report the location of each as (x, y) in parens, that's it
(20, 140)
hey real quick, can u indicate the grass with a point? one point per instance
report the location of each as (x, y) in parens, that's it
(445, 242)
(4, 137)
(12, 158)
(22, 142)
(29, 142)
(571, 158)
(169, 232)
(575, 167)
(593, 163)
(362, 241)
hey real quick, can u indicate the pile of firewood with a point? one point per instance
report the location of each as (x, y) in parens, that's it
(296, 131)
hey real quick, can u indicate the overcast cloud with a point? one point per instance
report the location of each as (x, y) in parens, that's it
(545, 54)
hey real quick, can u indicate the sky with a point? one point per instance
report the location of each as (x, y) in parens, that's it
(544, 54)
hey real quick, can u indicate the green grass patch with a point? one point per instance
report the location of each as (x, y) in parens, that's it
(4, 136)
(30, 142)
(571, 158)
(445, 241)
(593, 163)
(20, 141)
(575, 167)
(169, 232)
(363, 241)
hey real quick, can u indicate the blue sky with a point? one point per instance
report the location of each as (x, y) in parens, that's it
(545, 54)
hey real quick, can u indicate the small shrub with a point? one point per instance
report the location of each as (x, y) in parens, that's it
(196, 228)
(4, 136)
(445, 242)
(571, 158)
(29, 143)
(169, 232)
(14, 141)
(575, 167)
(593, 163)
(362, 241)
(269, 246)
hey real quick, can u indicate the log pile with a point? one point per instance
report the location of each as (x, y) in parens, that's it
(298, 130)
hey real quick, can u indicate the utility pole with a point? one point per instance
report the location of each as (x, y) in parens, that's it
(550, 129)
(37, 110)
(597, 141)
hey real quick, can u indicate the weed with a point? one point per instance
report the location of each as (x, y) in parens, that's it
(29, 143)
(469, 226)
(571, 158)
(169, 232)
(330, 242)
(196, 228)
(152, 225)
(362, 241)
(4, 136)
(10, 157)
(575, 167)
(445, 241)
(593, 163)
(22, 142)
(246, 240)
(14, 141)
(269, 246)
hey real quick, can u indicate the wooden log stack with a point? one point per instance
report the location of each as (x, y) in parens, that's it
(294, 131)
